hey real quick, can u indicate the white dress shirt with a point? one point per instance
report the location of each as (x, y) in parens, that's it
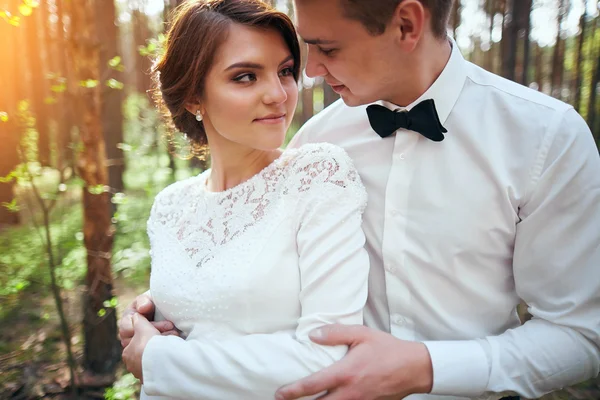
(507, 207)
(248, 272)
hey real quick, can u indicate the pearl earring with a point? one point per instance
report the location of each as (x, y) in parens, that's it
(198, 116)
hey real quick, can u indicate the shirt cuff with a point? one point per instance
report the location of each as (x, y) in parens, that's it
(460, 368)
(153, 365)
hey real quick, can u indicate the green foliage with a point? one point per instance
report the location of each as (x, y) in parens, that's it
(154, 47)
(88, 83)
(123, 389)
(114, 84)
(11, 19)
(115, 63)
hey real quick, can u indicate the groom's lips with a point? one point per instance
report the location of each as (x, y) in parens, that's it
(337, 88)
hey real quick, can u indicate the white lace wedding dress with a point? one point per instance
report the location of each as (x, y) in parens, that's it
(247, 273)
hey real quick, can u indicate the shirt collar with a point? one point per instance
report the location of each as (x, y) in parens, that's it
(447, 87)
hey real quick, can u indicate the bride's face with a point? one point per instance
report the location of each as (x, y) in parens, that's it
(250, 92)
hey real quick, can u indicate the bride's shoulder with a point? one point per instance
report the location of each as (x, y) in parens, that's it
(311, 153)
(177, 192)
(315, 163)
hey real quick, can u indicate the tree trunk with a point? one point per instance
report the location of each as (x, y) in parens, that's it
(37, 82)
(539, 67)
(307, 104)
(525, 25)
(456, 8)
(509, 41)
(579, 62)
(595, 53)
(141, 34)
(102, 349)
(558, 58)
(10, 82)
(490, 6)
(329, 96)
(66, 116)
(112, 99)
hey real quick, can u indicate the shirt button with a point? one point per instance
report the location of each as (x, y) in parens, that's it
(398, 319)
(394, 212)
(399, 156)
(390, 268)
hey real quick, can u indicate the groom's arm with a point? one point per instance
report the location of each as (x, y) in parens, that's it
(556, 268)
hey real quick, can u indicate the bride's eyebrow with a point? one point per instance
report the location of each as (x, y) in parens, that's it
(251, 65)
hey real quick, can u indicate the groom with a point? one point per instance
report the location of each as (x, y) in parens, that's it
(481, 193)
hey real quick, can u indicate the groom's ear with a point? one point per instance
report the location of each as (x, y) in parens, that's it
(409, 23)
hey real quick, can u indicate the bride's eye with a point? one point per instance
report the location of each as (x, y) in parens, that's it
(289, 71)
(245, 78)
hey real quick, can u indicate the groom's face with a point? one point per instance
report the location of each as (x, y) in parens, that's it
(359, 66)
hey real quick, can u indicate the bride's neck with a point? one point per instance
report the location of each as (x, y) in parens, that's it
(232, 165)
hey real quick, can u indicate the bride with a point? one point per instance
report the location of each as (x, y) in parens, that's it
(256, 252)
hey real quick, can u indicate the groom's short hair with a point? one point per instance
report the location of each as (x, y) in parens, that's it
(375, 17)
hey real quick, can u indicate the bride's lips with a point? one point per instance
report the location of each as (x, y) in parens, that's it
(271, 119)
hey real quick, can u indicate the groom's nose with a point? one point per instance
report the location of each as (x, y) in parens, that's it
(314, 66)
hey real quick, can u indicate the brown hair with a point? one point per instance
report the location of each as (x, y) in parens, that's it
(376, 17)
(197, 30)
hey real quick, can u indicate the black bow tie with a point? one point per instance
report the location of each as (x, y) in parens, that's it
(423, 118)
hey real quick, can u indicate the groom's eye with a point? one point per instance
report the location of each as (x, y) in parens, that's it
(326, 52)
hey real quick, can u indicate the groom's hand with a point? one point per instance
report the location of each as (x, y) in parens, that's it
(377, 366)
(132, 354)
(142, 305)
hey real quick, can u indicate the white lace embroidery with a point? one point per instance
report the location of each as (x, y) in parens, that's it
(204, 244)
(203, 222)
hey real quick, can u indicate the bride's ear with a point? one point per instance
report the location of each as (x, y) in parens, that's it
(196, 109)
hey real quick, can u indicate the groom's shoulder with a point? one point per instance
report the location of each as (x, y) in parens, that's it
(505, 90)
(337, 117)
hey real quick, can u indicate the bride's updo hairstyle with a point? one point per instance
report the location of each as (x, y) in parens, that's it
(198, 28)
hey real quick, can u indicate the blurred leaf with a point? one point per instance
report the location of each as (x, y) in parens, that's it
(9, 177)
(114, 84)
(124, 146)
(143, 51)
(98, 189)
(119, 198)
(114, 302)
(49, 196)
(50, 100)
(3, 116)
(12, 206)
(114, 62)
(61, 87)
(101, 312)
(89, 83)
(14, 20)
(31, 3)
(25, 10)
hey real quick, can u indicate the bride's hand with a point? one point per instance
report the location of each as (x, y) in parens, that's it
(132, 354)
(143, 305)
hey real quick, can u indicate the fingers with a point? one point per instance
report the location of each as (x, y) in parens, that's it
(326, 379)
(171, 333)
(125, 342)
(126, 328)
(142, 325)
(163, 326)
(333, 335)
(145, 306)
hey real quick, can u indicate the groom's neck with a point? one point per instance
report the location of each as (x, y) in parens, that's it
(421, 70)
